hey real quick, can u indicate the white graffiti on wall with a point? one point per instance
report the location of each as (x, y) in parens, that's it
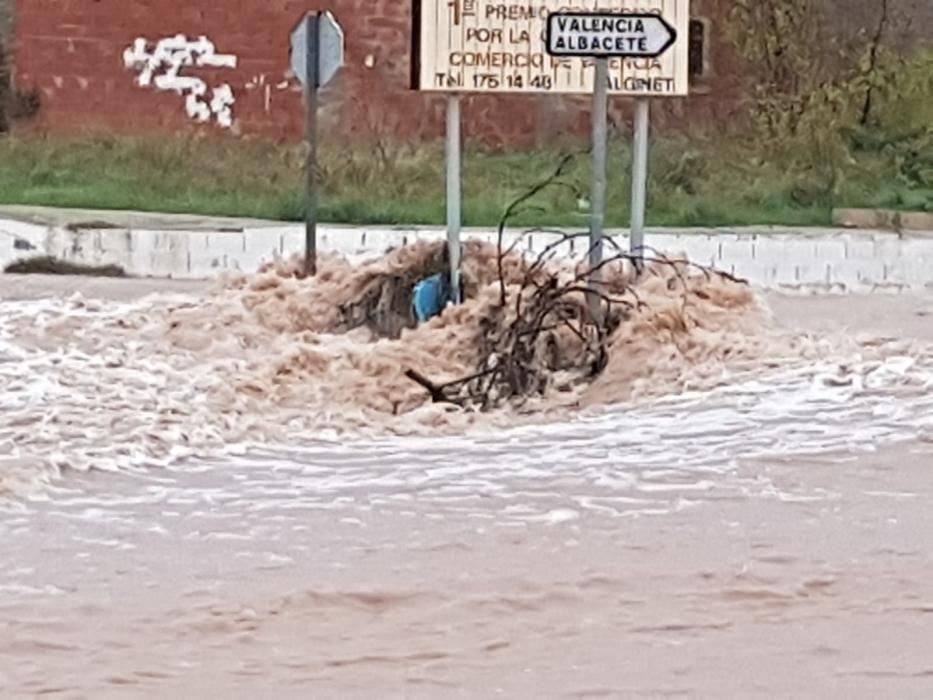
(161, 68)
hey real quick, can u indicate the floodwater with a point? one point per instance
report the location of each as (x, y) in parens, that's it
(768, 536)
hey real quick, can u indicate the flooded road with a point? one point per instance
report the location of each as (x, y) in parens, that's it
(769, 537)
(803, 577)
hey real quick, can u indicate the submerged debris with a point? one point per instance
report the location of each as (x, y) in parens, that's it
(529, 327)
(380, 296)
(556, 327)
(48, 265)
(553, 324)
(383, 298)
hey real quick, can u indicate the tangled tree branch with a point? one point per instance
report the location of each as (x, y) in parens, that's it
(548, 336)
(555, 329)
(513, 207)
(873, 51)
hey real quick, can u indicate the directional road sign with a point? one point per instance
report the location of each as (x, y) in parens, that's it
(608, 35)
(330, 44)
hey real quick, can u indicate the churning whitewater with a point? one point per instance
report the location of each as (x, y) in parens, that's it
(272, 359)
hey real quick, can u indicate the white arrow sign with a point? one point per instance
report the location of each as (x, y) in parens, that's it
(608, 35)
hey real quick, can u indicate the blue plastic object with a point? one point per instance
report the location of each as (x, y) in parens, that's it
(430, 297)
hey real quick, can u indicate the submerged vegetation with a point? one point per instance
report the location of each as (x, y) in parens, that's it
(47, 265)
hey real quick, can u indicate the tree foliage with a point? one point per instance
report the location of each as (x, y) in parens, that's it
(818, 94)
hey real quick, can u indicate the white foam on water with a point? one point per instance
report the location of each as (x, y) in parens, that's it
(95, 386)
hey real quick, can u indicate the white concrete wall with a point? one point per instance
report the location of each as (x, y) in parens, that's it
(788, 259)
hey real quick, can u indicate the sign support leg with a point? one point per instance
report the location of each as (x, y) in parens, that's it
(454, 191)
(311, 166)
(640, 180)
(598, 196)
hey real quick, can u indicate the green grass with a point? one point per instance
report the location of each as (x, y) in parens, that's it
(694, 181)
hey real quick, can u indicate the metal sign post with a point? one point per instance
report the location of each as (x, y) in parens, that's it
(640, 180)
(600, 158)
(312, 62)
(604, 35)
(316, 56)
(454, 192)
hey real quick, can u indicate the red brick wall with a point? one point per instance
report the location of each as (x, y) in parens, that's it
(72, 50)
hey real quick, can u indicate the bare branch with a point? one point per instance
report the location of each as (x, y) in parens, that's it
(513, 206)
(551, 324)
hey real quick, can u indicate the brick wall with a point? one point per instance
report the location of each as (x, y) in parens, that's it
(6, 21)
(72, 51)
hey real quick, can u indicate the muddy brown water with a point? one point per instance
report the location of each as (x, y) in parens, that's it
(765, 538)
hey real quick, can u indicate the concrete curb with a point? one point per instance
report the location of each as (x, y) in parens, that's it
(813, 259)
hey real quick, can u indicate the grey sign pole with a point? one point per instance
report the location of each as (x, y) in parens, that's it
(311, 83)
(636, 35)
(600, 147)
(640, 179)
(454, 192)
(316, 56)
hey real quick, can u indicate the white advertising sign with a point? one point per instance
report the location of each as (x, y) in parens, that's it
(496, 46)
